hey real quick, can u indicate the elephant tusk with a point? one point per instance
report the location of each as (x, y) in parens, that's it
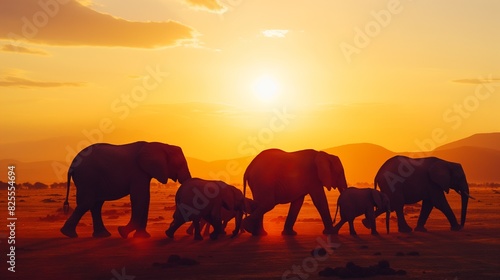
(468, 195)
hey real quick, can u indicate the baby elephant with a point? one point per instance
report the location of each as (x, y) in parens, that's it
(198, 199)
(226, 216)
(354, 202)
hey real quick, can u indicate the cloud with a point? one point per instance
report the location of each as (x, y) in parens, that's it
(21, 49)
(13, 81)
(69, 23)
(478, 81)
(275, 33)
(208, 5)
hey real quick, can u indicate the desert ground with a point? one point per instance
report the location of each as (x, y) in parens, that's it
(42, 252)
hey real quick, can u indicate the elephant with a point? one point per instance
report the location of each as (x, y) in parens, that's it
(410, 180)
(354, 202)
(226, 216)
(103, 172)
(198, 199)
(278, 177)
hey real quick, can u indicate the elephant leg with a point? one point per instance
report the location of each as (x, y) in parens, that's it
(254, 223)
(337, 227)
(176, 224)
(224, 225)
(442, 204)
(141, 217)
(190, 229)
(127, 229)
(139, 199)
(425, 211)
(216, 222)
(261, 231)
(293, 212)
(370, 217)
(197, 229)
(320, 202)
(367, 223)
(217, 225)
(69, 228)
(402, 224)
(205, 225)
(351, 228)
(99, 228)
(397, 203)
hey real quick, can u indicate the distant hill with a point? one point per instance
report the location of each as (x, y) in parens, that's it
(39, 171)
(479, 155)
(57, 148)
(361, 161)
(227, 170)
(481, 165)
(482, 140)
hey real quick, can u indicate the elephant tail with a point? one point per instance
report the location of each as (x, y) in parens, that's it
(245, 180)
(375, 184)
(66, 202)
(387, 219)
(244, 187)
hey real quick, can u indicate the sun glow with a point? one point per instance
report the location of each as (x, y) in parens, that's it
(266, 89)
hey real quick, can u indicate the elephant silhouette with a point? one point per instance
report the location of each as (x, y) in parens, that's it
(277, 177)
(410, 180)
(104, 172)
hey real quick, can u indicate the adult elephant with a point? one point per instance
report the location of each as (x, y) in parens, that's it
(104, 172)
(278, 177)
(410, 180)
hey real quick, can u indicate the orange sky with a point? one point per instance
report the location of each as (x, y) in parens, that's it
(228, 78)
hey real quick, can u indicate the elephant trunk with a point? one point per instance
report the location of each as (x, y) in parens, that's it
(238, 218)
(465, 201)
(183, 175)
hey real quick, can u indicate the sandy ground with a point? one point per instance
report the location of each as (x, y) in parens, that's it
(43, 253)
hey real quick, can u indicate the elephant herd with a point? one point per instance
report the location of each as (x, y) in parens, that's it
(103, 172)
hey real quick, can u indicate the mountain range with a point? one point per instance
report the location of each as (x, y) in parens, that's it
(479, 155)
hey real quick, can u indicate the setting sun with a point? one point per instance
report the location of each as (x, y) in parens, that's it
(266, 89)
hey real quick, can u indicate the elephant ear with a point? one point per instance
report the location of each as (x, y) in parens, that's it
(225, 195)
(239, 199)
(231, 197)
(325, 170)
(377, 199)
(152, 159)
(178, 167)
(439, 173)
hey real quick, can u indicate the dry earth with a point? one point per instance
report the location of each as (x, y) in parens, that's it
(43, 253)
